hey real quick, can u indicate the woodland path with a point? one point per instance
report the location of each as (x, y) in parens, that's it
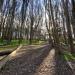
(36, 60)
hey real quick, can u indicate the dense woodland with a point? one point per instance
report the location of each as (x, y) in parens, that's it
(47, 20)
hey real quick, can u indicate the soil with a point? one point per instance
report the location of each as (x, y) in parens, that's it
(31, 60)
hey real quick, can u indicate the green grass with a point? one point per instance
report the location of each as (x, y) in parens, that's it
(68, 56)
(25, 42)
(15, 43)
(2, 48)
(36, 42)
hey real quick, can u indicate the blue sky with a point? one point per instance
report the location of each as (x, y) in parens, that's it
(19, 4)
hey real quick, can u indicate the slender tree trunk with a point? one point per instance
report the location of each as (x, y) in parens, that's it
(10, 21)
(23, 15)
(70, 39)
(55, 33)
(1, 3)
(31, 26)
(73, 16)
(31, 32)
(64, 29)
(1, 16)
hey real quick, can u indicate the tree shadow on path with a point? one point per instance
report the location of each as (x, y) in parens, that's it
(27, 62)
(61, 66)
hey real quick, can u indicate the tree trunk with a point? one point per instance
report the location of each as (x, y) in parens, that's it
(55, 32)
(70, 39)
(73, 16)
(31, 26)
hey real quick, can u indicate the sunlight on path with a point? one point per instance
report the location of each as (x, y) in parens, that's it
(15, 52)
(1, 57)
(3, 62)
(24, 49)
(27, 62)
(47, 66)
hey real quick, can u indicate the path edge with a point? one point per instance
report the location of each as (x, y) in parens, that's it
(8, 57)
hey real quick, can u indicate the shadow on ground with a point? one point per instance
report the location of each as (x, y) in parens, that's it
(26, 63)
(61, 66)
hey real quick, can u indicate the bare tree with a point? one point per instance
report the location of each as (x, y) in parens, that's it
(66, 13)
(73, 16)
(1, 3)
(23, 16)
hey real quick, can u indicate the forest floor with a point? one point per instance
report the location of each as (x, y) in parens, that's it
(36, 60)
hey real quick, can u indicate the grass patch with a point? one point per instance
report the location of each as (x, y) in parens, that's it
(3, 48)
(25, 42)
(36, 42)
(14, 43)
(68, 56)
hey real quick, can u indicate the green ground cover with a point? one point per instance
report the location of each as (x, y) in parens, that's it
(15, 43)
(68, 56)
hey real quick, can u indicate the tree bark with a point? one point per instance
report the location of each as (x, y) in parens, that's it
(70, 39)
(73, 16)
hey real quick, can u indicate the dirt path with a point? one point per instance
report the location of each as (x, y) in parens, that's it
(32, 60)
(54, 65)
(48, 66)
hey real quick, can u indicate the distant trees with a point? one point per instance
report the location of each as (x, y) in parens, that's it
(24, 19)
(1, 3)
(59, 27)
(48, 24)
(32, 23)
(7, 34)
(15, 23)
(53, 25)
(66, 13)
